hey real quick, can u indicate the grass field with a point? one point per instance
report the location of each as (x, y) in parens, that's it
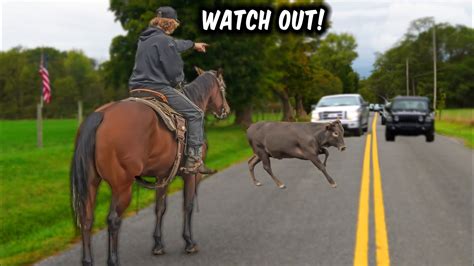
(457, 123)
(35, 213)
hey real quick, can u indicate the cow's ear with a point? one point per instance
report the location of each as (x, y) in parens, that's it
(199, 70)
(329, 126)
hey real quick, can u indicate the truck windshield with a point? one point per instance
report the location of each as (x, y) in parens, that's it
(410, 105)
(338, 101)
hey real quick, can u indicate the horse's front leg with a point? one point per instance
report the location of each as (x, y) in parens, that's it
(189, 194)
(160, 209)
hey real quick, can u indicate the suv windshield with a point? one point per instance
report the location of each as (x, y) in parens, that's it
(338, 101)
(410, 105)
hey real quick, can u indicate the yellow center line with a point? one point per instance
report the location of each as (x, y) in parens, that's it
(362, 235)
(381, 240)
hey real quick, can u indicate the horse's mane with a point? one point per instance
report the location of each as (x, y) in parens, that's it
(199, 88)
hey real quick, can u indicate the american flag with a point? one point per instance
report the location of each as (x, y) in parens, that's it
(44, 74)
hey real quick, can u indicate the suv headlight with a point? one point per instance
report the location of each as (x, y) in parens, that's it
(420, 119)
(315, 116)
(389, 118)
(353, 115)
(396, 118)
(429, 117)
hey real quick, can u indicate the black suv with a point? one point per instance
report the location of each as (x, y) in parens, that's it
(409, 115)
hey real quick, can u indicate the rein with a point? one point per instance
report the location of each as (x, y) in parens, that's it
(222, 88)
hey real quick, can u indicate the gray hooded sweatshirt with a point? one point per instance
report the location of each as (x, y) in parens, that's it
(158, 63)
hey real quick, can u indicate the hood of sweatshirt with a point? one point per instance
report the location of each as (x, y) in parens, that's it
(150, 32)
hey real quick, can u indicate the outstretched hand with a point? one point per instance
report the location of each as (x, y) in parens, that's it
(200, 46)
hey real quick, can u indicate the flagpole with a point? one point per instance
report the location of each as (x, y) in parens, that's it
(39, 113)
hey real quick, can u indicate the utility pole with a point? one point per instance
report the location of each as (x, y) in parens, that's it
(408, 78)
(434, 66)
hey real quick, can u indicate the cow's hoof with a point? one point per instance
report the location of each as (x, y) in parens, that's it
(191, 249)
(258, 184)
(334, 185)
(158, 251)
(282, 186)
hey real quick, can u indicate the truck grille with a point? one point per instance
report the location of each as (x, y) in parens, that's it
(332, 115)
(408, 118)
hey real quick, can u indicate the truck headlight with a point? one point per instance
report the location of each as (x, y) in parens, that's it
(429, 118)
(353, 115)
(315, 116)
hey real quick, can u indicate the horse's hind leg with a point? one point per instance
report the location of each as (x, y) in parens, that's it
(121, 196)
(189, 194)
(160, 209)
(88, 220)
(254, 160)
(267, 166)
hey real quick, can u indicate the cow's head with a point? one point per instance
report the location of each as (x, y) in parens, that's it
(334, 135)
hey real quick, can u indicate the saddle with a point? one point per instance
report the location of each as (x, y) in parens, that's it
(174, 121)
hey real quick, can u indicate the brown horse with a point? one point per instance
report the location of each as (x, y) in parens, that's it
(124, 140)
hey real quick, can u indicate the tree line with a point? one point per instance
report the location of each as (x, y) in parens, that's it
(261, 70)
(455, 65)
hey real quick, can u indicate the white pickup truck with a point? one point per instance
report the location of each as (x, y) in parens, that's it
(351, 109)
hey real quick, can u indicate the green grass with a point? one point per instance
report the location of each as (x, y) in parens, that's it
(35, 213)
(457, 123)
(465, 115)
(462, 131)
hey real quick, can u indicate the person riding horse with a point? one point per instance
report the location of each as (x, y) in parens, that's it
(158, 66)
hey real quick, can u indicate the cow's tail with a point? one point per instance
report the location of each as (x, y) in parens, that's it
(83, 164)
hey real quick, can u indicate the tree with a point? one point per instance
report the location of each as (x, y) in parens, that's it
(240, 55)
(72, 75)
(336, 53)
(454, 60)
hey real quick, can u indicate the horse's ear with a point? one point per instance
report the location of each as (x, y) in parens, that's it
(198, 70)
(220, 72)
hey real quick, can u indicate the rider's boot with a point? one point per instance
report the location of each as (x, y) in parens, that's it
(203, 169)
(193, 160)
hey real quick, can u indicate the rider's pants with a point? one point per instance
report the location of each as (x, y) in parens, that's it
(194, 115)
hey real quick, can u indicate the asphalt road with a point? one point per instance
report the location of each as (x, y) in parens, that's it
(424, 212)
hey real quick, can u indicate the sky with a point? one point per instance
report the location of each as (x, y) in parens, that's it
(88, 25)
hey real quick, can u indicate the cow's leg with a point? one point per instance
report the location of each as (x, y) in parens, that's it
(120, 201)
(160, 209)
(320, 166)
(324, 151)
(254, 160)
(266, 165)
(188, 204)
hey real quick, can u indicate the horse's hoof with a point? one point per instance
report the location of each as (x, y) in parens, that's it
(282, 186)
(87, 263)
(334, 185)
(191, 249)
(158, 251)
(258, 184)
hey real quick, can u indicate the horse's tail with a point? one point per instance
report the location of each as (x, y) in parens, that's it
(83, 163)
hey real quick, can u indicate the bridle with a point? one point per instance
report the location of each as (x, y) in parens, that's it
(222, 88)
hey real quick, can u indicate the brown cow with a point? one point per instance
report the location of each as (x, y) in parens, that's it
(293, 140)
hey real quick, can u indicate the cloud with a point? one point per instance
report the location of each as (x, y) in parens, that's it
(89, 26)
(84, 25)
(378, 25)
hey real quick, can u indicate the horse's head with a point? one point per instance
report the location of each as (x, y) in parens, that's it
(217, 102)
